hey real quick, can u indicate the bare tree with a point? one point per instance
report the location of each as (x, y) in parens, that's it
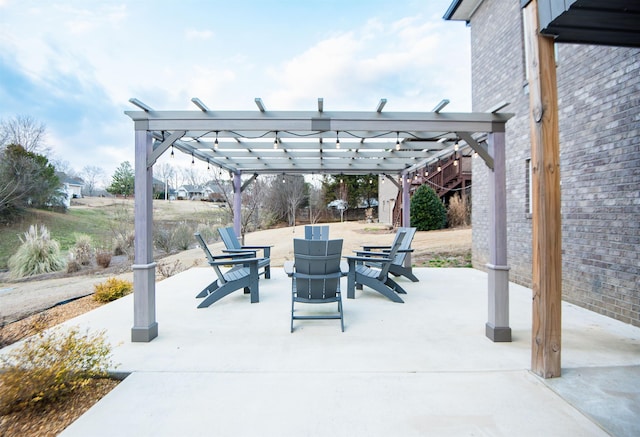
(316, 203)
(194, 176)
(165, 173)
(24, 131)
(286, 194)
(252, 200)
(92, 175)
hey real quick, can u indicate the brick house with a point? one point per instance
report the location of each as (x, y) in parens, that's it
(599, 125)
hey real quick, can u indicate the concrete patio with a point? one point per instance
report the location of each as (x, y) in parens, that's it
(420, 368)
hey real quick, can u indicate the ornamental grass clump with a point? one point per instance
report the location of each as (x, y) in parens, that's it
(37, 254)
(82, 250)
(112, 289)
(51, 365)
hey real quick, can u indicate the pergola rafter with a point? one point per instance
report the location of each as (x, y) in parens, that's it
(311, 142)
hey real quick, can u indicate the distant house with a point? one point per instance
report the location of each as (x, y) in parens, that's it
(214, 192)
(190, 192)
(71, 188)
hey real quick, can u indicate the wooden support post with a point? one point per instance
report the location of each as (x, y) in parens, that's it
(145, 327)
(545, 159)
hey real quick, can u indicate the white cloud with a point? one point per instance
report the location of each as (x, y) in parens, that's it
(411, 62)
(193, 34)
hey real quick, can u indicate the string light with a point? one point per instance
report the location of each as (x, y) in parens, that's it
(397, 140)
(337, 140)
(172, 154)
(193, 161)
(456, 147)
(439, 168)
(283, 180)
(208, 166)
(275, 142)
(215, 143)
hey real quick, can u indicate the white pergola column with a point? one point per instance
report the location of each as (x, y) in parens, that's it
(237, 203)
(497, 327)
(145, 327)
(406, 211)
(406, 202)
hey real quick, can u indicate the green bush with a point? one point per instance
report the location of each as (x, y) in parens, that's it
(112, 289)
(37, 254)
(427, 211)
(49, 366)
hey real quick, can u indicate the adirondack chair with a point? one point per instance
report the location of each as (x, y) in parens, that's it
(316, 232)
(316, 277)
(397, 267)
(372, 269)
(243, 274)
(233, 245)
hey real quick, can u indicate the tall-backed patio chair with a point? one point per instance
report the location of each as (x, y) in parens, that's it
(372, 269)
(316, 277)
(233, 245)
(315, 232)
(243, 274)
(397, 267)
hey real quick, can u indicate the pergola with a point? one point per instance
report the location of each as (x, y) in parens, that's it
(314, 142)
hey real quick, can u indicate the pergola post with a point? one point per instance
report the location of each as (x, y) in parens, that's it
(497, 327)
(546, 228)
(145, 327)
(237, 203)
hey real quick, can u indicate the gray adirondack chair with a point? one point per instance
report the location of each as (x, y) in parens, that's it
(233, 245)
(316, 277)
(397, 267)
(316, 232)
(372, 269)
(242, 275)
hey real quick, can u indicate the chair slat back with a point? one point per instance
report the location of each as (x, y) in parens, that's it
(210, 258)
(316, 232)
(229, 238)
(317, 268)
(406, 244)
(397, 242)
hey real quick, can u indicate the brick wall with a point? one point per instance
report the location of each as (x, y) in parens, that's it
(599, 104)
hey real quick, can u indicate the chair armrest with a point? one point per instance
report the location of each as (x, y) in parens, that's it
(240, 252)
(363, 253)
(234, 261)
(266, 249)
(369, 248)
(367, 258)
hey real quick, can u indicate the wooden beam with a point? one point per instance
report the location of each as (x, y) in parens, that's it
(545, 159)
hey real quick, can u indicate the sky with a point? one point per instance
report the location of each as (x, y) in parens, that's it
(73, 65)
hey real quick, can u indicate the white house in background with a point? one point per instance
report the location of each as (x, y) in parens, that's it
(71, 188)
(190, 192)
